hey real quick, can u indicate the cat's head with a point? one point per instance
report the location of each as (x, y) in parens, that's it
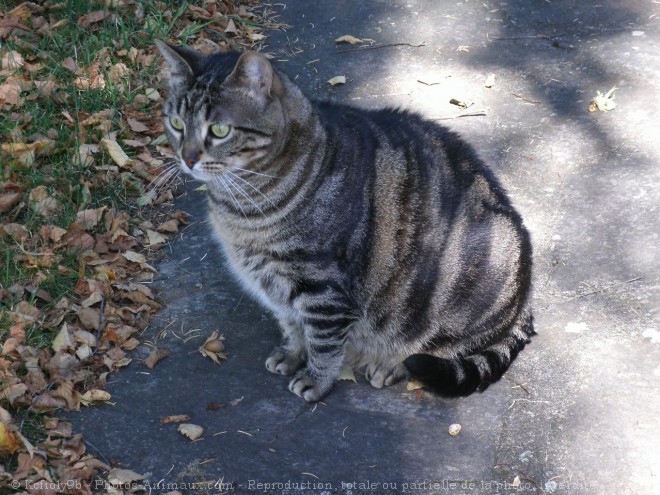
(223, 112)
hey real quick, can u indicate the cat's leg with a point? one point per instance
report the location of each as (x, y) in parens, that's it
(325, 355)
(289, 356)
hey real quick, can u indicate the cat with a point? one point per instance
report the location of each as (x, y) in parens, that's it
(377, 239)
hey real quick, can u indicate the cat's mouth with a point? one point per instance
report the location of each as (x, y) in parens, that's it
(195, 170)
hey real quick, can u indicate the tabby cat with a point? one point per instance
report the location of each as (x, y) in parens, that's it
(378, 239)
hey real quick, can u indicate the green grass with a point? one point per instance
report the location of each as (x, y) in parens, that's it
(75, 186)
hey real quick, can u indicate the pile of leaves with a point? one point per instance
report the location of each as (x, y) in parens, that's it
(86, 185)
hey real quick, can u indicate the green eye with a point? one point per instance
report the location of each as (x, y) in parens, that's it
(177, 123)
(220, 130)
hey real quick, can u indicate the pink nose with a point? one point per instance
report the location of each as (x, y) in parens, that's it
(190, 162)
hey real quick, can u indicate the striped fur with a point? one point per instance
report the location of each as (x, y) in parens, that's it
(378, 239)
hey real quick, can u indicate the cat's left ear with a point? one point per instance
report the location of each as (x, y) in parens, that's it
(255, 74)
(183, 62)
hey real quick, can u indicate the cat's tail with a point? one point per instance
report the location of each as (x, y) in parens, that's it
(465, 375)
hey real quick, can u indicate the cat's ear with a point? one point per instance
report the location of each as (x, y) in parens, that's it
(254, 74)
(182, 61)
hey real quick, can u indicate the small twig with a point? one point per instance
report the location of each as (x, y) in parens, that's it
(527, 400)
(526, 99)
(609, 287)
(473, 114)
(517, 383)
(375, 47)
(530, 37)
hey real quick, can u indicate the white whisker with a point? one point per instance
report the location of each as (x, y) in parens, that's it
(244, 194)
(257, 173)
(224, 184)
(170, 173)
(254, 188)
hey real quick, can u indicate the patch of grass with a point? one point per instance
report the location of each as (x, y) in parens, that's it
(72, 184)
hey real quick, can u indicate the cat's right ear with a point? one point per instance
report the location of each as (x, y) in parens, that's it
(182, 61)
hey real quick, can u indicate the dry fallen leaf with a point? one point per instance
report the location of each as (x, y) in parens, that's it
(8, 200)
(63, 339)
(94, 395)
(156, 355)
(116, 153)
(8, 441)
(346, 373)
(347, 38)
(123, 477)
(175, 419)
(212, 347)
(231, 27)
(337, 80)
(603, 102)
(42, 203)
(155, 238)
(191, 431)
(93, 17)
(414, 385)
(136, 125)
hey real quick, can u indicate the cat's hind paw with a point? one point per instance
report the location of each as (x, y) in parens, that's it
(283, 362)
(381, 374)
(309, 388)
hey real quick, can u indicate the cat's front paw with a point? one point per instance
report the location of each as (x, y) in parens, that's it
(304, 385)
(283, 362)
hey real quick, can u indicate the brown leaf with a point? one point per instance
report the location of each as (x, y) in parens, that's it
(42, 203)
(28, 312)
(12, 60)
(62, 365)
(90, 318)
(70, 65)
(136, 125)
(171, 226)
(35, 378)
(10, 93)
(7, 201)
(175, 419)
(92, 17)
(156, 355)
(94, 395)
(16, 231)
(13, 392)
(25, 152)
(52, 232)
(85, 337)
(88, 219)
(71, 396)
(46, 402)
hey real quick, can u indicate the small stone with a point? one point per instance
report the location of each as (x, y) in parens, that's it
(454, 429)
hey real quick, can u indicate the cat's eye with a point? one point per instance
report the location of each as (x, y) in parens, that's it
(220, 130)
(177, 123)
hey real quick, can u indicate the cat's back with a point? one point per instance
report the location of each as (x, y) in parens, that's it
(406, 157)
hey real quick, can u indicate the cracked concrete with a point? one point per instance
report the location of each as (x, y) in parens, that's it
(578, 411)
